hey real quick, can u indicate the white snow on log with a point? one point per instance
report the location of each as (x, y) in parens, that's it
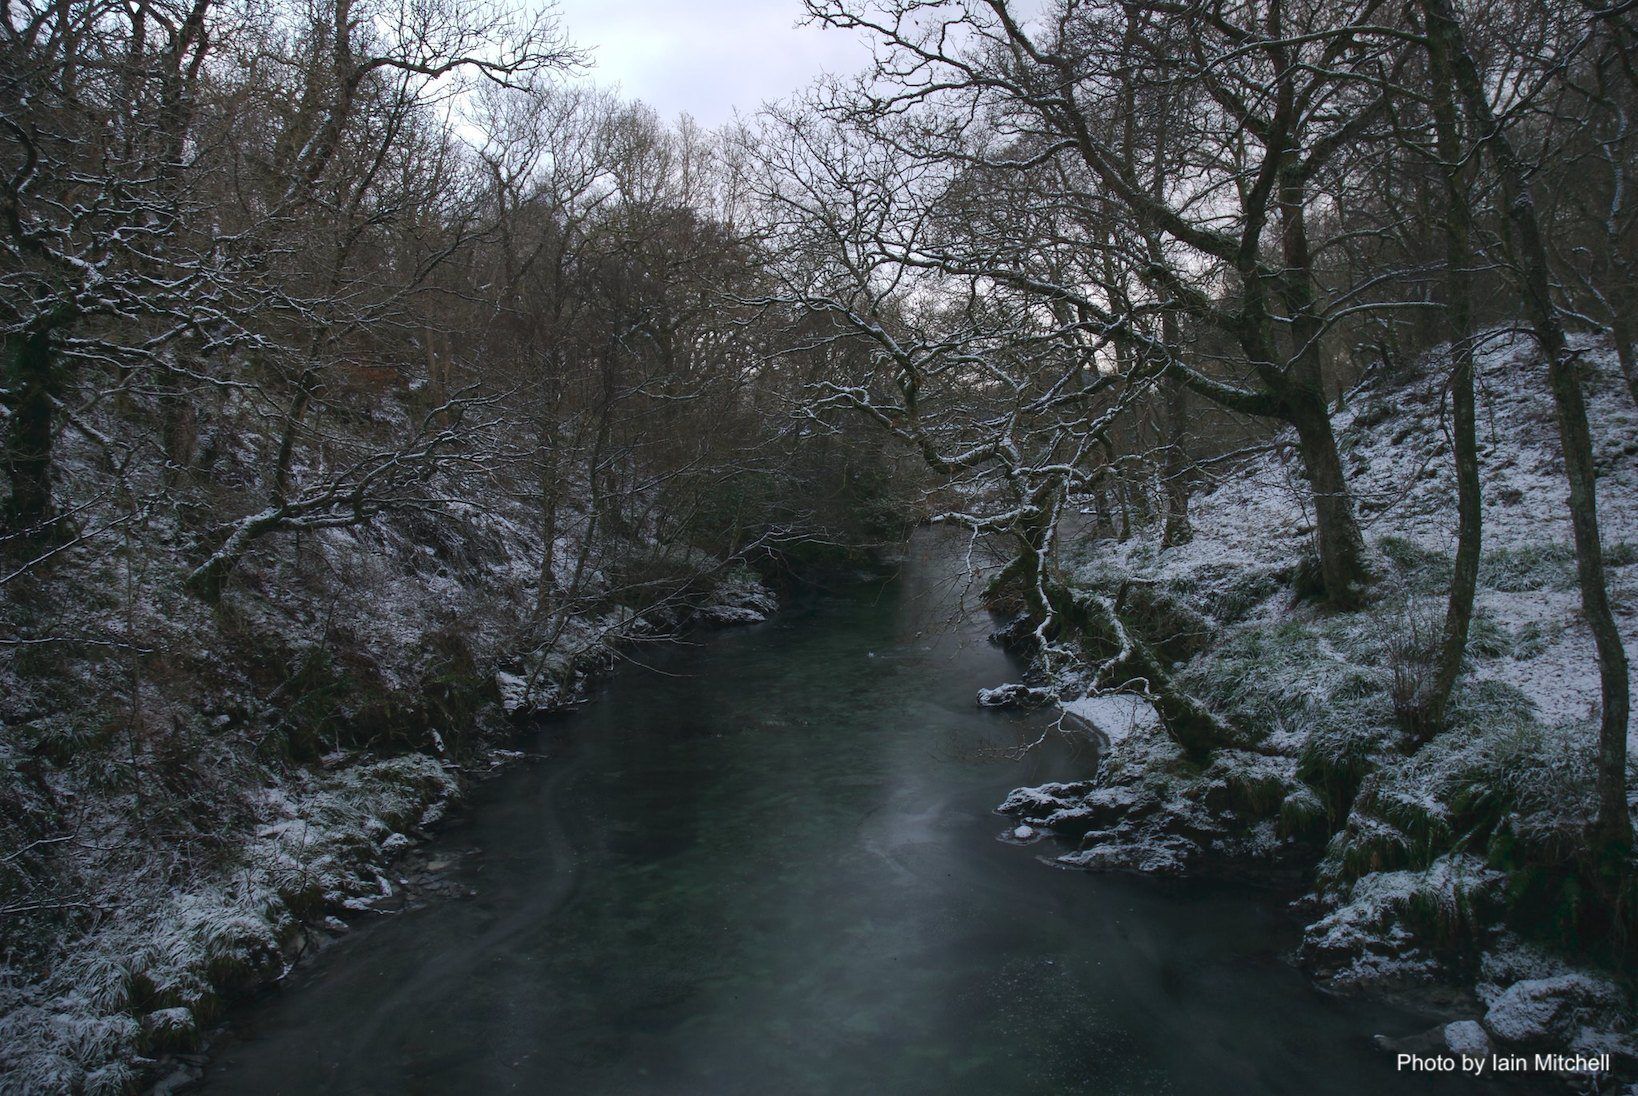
(1116, 715)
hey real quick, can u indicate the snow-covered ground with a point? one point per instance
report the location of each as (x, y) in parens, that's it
(192, 794)
(1255, 520)
(1420, 856)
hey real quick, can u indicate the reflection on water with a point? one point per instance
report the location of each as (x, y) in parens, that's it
(770, 866)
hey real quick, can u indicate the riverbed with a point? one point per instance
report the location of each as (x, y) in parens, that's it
(766, 861)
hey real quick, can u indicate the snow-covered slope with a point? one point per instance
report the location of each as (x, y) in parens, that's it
(188, 791)
(1425, 861)
(1254, 520)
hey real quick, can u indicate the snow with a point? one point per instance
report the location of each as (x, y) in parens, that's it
(1253, 520)
(1467, 1037)
(192, 866)
(740, 597)
(1312, 689)
(1115, 715)
(1014, 695)
(1541, 1010)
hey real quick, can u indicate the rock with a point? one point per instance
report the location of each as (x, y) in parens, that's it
(725, 616)
(1016, 634)
(1546, 1010)
(1115, 715)
(740, 598)
(1024, 833)
(1109, 805)
(1034, 804)
(1467, 1037)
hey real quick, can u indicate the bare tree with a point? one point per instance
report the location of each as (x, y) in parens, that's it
(1614, 824)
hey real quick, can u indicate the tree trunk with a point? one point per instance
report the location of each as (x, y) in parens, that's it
(1614, 824)
(1176, 465)
(1337, 537)
(1341, 546)
(1135, 667)
(305, 385)
(1429, 718)
(28, 442)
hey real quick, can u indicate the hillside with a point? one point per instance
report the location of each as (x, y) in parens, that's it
(1442, 864)
(190, 792)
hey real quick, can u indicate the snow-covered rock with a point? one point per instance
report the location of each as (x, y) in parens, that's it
(1467, 1037)
(740, 598)
(1546, 1011)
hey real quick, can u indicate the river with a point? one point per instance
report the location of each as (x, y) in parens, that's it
(768, 863)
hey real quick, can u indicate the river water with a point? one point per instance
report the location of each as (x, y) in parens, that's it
(768, 864)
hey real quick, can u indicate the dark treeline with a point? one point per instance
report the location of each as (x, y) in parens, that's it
(255, 228)
(352, 354)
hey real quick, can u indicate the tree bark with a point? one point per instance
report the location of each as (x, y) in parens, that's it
(1176, 465)
(1429, 718)
(1341, 545)
(1621, 335)
(1337, 538)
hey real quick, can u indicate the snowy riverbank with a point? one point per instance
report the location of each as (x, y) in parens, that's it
(180, 830)
(1432, 867)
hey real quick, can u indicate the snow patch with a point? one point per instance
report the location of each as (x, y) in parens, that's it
(1116, 715)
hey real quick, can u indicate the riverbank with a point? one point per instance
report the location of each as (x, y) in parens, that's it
(188, 812)
(1442, 867)
(133, 1003)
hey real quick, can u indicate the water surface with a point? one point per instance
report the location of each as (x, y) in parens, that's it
(769, 865)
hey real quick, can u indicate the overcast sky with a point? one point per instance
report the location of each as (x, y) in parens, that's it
(706, 57)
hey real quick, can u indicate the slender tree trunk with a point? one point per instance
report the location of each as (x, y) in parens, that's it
(1341, 545)
(1337, 538)
(1430, 716)
(28, 441)
(1102, 522)
(1176, 465)
(305, 385)
(1614, 823)
(179, 417)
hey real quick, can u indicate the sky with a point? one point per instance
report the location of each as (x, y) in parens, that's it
(706, 57)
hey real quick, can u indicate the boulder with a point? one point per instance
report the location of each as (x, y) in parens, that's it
(1467, 1037)
(1546, 1011)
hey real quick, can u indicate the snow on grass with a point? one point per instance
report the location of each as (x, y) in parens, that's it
(1252, 525)
(165, 961)
(173, 818)
(1399, 835)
